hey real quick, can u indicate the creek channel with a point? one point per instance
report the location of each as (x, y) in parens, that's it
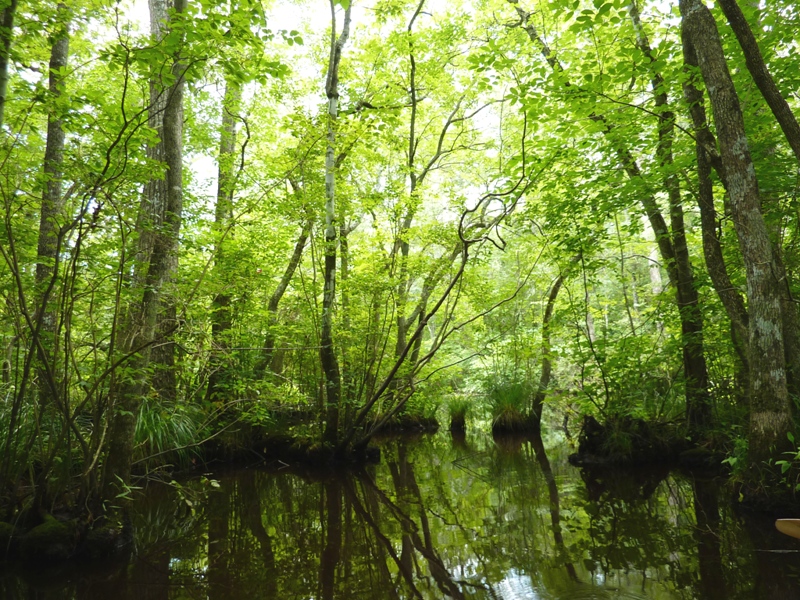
(438, 517)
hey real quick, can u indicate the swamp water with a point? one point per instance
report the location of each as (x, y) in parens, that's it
(437, 518)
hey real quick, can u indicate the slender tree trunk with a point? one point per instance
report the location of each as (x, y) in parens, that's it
(671, 244)
(706, 154)
(547, 364)
(50, 216)
(221, 313)
(268, 355)
(163, 353)
(402, 247)
(330, 365)
(159, 244)
(348, 380)
(770, 409)
(761, 75)
(6, 35)
(698, 400)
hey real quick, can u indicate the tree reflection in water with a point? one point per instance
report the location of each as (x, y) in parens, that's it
(463, 519)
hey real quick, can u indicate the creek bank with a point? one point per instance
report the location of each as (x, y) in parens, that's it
(285, 448)
(639, 446)
(50, 540)
(630, 442)
(34, 539)
(512, 422)
(408, 423)
(767, 493)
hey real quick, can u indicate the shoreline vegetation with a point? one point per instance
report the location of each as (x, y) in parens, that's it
(46, 539)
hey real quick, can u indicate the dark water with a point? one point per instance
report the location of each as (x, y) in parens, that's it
(438, 519)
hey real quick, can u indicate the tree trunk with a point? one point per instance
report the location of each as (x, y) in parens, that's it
(49, 221)
(547, 364)
(221, 314)
(705, 150)
(761, 75)
(327, 353)
(698, 400)
(160, 243)
(6, 35)
(268, 356)
(770, 413)
(791, 129)
(671, 244)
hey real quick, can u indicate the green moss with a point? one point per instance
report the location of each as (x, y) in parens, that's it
(51, 541)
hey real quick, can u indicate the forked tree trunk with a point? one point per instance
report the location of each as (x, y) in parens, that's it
(770, 409)
(706, 155)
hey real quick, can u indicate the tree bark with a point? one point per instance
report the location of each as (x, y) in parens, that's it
(791, 129)
(327, 353)
(770, 413)
(705, 150)
(49, 219)
(761, 75)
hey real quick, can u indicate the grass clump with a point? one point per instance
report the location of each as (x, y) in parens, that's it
(510, 406)
(458, 408)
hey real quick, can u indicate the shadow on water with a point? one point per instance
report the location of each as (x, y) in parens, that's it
(462, 518)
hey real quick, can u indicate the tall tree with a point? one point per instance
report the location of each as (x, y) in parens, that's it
(706, 156)
(327, 353)
(770, 408)
(698, 401)
(671, 240)
(158, 227)
(221, 309)
(51, 215)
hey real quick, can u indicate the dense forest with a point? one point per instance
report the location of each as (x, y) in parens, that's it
(318, 221)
